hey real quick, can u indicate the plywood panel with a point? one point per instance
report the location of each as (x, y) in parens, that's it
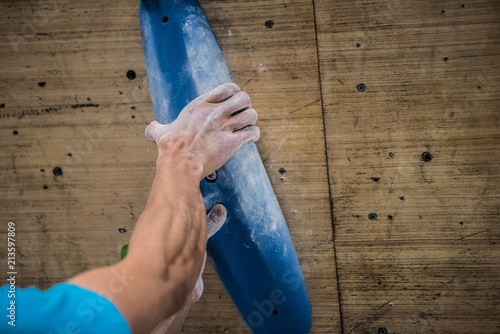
(414, 162)
(65, 92)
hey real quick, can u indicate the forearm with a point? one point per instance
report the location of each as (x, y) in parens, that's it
(172, 228)
(166, 250)
(171, 232)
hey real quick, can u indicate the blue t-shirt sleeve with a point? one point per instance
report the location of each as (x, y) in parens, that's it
(63, 309)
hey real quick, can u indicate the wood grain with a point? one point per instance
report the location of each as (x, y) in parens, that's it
(428, 262)
(64, 89)
(428, 259)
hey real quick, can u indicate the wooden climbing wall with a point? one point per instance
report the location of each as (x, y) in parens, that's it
(406, 172)
(411, 101)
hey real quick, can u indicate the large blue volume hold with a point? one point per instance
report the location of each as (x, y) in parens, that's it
(253, 252)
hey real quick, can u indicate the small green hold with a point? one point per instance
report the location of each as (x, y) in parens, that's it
(124, 250)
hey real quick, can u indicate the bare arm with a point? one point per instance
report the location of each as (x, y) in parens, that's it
(173, 323)
(167, 248)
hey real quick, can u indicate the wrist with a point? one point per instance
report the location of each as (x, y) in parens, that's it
(179, 162)
(179, 167)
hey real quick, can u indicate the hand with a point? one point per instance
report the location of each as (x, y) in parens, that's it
(210, 129)
(173, 324)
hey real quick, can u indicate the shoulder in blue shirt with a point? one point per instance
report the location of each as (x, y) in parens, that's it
(63, 309)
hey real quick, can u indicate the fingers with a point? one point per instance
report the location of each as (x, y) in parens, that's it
(221, 93)
(237, 102)
(251, 132)
(215, 219)
(152, 130)
(198, 290)
(243, 119)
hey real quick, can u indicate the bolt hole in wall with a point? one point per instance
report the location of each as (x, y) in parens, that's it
(361, 87)
(57, 171)
(164, 19)
(426, 157)
(131, 74)
(269, 24)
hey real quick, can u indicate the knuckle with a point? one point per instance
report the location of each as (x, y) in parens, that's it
(244, 97)
(254, 114)
(230, 87)
(215, 109)
(248, 119)
(256, 133)
(228, 125)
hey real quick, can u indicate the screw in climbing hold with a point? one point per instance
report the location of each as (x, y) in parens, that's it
(212, 177)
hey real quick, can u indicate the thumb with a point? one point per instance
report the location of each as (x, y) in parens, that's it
(152, 130)
(215, 219)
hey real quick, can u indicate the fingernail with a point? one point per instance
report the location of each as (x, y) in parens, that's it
(219, 210)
